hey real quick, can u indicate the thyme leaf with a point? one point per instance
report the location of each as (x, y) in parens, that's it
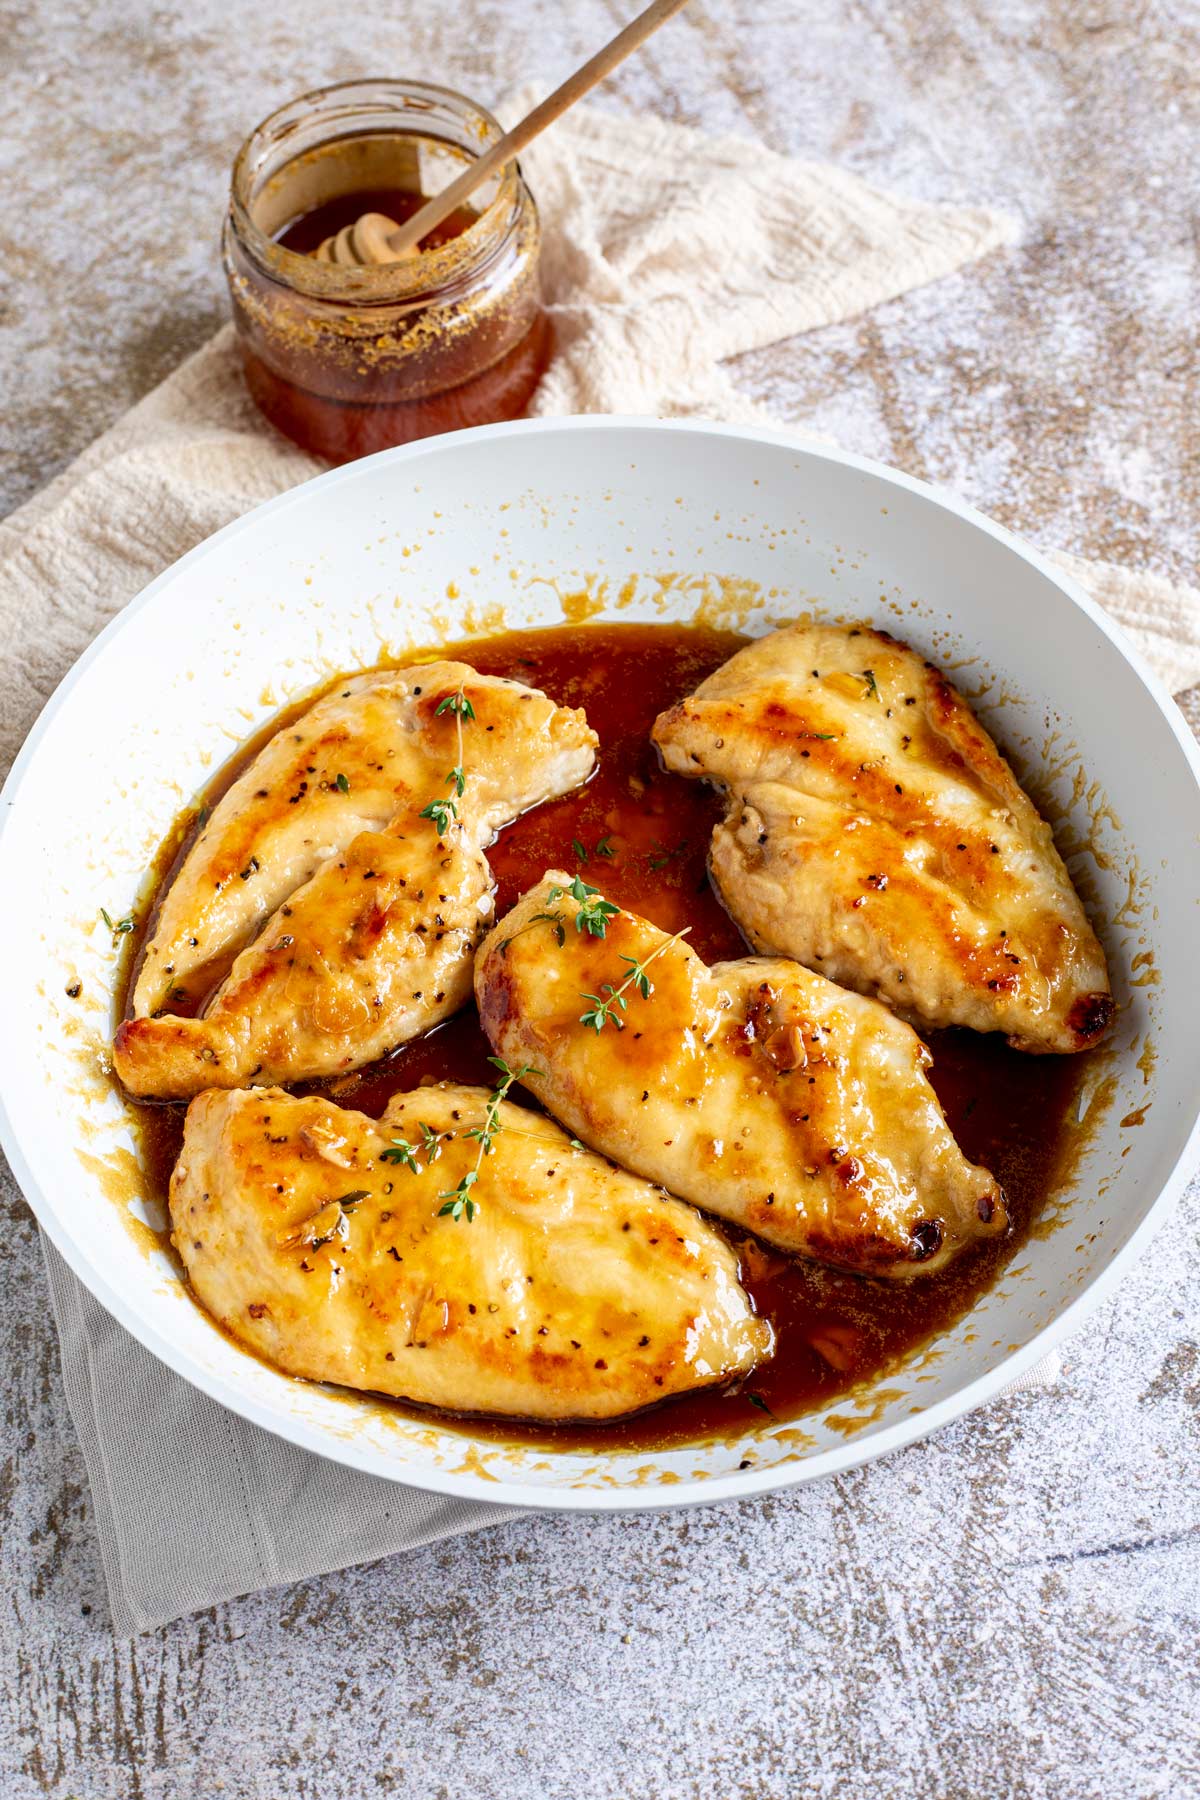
(442, 813)
(660, 857)
(582, 854)
(594, 910)
(401, 1151)
(608, 1005)
(552, 918)
(459, 1202)
(431, 1142)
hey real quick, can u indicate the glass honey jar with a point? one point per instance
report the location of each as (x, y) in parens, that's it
(348, 360)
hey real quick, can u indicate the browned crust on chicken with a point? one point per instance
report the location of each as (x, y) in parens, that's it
(576, 1291)
(875, 833)
(755, 1089)
(341, 921)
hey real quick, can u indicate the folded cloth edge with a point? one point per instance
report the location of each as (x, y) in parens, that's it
(206, 1554)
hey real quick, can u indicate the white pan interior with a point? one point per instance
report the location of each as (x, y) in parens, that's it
(581, 519)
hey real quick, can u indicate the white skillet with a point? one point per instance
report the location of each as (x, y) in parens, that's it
(606, 518)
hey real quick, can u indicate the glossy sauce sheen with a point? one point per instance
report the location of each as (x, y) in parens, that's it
(1008, 1111)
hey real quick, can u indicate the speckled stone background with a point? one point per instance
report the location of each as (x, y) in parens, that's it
(1012, 1609)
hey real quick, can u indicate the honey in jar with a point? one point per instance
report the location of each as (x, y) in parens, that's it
(351, 360)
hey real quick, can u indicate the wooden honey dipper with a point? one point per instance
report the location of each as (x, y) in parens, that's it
(374, 238)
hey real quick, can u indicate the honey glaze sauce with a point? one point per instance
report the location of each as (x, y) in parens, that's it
(468, 351)
(306, 233)
(641, 836)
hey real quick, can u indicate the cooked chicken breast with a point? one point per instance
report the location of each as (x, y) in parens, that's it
(316, 1237)
(875, 833)
(370, 952)
(349, 919)
(755, 1089)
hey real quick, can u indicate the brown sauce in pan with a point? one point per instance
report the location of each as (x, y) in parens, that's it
(1008, 1111)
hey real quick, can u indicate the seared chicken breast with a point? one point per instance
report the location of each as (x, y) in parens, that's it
(875, 833)
(320, 1239)
(369, 952)
(755, 1089)
(325, 919)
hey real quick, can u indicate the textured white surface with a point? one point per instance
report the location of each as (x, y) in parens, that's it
(1011, 1609)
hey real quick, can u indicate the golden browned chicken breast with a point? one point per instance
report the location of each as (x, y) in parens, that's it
(756, 1089)
(875, 833)
(343, 878)
(349, 1250)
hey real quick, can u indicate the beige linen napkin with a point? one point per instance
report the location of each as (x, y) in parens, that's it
(664, 252)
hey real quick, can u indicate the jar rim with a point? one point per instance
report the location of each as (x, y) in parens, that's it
(431, 270)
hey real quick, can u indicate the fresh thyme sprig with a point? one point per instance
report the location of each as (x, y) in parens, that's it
(442, 812)
(458, 704)
(594, 910)
(118, 927)
(401, 1151)
(459, 1201)
(550, 918)
(461, 707)
(593, 915)
(610, 1003)
(868, 676)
